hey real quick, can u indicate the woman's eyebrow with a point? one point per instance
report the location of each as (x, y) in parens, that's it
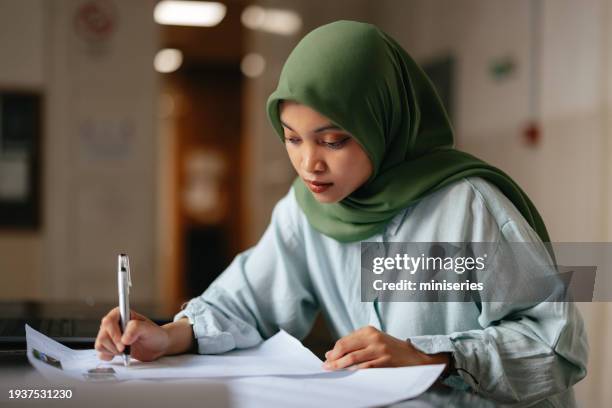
(329, 126)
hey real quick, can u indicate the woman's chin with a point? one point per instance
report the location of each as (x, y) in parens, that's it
(326, 198)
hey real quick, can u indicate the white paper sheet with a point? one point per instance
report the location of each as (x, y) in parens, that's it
(281, 354)
(279, 372)
(360, 388)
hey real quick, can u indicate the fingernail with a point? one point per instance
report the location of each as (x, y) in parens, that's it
(120, 347)
(326, 365)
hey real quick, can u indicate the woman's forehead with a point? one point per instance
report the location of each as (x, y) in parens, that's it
(295, 110)
(287, 103)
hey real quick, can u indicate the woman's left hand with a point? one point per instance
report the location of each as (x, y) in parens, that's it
(369, 347)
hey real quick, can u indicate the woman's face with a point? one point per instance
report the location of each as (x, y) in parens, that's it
(329, 160)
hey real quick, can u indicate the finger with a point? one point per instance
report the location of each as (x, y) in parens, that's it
(345, 345)
(376, 363)
(133, 331)
(105, 356)
(356, 357)
(114, 313)
(99, 347)
(137, 316)
(110, 323)
(105, 344)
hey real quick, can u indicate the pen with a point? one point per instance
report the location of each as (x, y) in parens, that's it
(124, 282)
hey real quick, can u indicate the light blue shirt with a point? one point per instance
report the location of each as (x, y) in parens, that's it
(295, 271)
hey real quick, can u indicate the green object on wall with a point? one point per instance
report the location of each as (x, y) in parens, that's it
(502, 68)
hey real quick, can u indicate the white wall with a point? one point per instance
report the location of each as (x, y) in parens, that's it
(23, 50)
(98, 98)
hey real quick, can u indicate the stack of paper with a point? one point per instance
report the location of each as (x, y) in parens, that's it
(278, 372)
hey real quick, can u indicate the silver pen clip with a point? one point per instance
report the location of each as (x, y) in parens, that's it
(125, 265)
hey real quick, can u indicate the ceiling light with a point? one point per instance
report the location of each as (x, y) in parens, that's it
(252, 65)
(189, 13)
(276, 21)
(168, 60)
(253, 17)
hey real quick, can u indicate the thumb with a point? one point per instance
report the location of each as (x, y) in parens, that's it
(133, 331)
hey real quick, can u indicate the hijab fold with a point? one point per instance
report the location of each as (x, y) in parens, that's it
(364, 82)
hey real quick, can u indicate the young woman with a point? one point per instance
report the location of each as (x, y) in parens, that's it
(373, 150)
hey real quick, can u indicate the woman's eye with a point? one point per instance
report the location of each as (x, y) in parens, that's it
(292, 140)
(336, 145)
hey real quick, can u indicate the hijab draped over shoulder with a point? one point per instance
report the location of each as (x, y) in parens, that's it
(365, 82)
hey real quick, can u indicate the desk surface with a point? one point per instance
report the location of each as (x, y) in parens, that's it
(18, 367)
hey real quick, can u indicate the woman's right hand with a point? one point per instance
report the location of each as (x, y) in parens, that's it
(147, 340)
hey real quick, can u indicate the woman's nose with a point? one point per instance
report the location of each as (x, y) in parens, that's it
(312, 162)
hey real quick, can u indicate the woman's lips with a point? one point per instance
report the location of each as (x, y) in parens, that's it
(317, 186)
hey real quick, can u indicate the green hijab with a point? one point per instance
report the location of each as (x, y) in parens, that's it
(364, 82)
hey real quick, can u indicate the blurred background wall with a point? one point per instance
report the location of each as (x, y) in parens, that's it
(131, 157)
(99, 163)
